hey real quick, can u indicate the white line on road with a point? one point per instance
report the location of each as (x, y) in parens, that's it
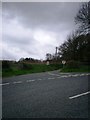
(53, 74)
(82, 74)
(17, 82)
(75, 75)
(30, 80)
(39, 79)
(70, 76)
(65, 73)
(64, 76)
(51, 78)
(79, 95)
(87, 74)
(4, 84)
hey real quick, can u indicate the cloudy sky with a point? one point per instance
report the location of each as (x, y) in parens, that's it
(34, 29)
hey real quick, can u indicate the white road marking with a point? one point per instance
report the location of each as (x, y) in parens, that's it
(54, 78)
(64, 76)
(51, 78)
(4, 84)
(57, 74)
(75, 75)
(53, 74)
(69, 75)
(30, 80)
(17, 82)
(82, 74)
(39, 79)
(64, 73)
(87, 74)
(79, 95)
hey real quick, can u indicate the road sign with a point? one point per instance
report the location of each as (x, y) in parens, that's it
(47, 63)
(63, 62)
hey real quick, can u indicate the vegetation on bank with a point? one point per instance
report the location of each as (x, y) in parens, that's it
(74, 66)
(10, 68)
(81, 69)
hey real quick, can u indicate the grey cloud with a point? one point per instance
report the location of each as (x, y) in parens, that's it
(42, 14)
(18, 41)
(29, 46)
(7, 55)
(23, 44)
(13, 52)
(55, 17)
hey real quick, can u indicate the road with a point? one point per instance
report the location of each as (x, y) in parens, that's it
(46, 95)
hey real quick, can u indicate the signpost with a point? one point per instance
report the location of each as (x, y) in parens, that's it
(47, 63)
(63, 62)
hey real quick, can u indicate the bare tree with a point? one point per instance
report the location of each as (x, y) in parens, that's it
(83, 18)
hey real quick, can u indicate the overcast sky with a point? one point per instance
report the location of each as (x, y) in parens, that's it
(34, 29)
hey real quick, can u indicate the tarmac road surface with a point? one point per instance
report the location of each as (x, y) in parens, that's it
(46, 95)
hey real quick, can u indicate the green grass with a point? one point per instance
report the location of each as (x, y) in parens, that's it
(32, 68)
(80, 69)
(14, 69)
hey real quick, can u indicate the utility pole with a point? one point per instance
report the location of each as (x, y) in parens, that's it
(56, 50)
(56, 53)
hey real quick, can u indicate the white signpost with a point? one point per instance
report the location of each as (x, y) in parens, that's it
(47, 63)
(63, 62)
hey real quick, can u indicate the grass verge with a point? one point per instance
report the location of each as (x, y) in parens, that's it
(80, 69)
(27, 69)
